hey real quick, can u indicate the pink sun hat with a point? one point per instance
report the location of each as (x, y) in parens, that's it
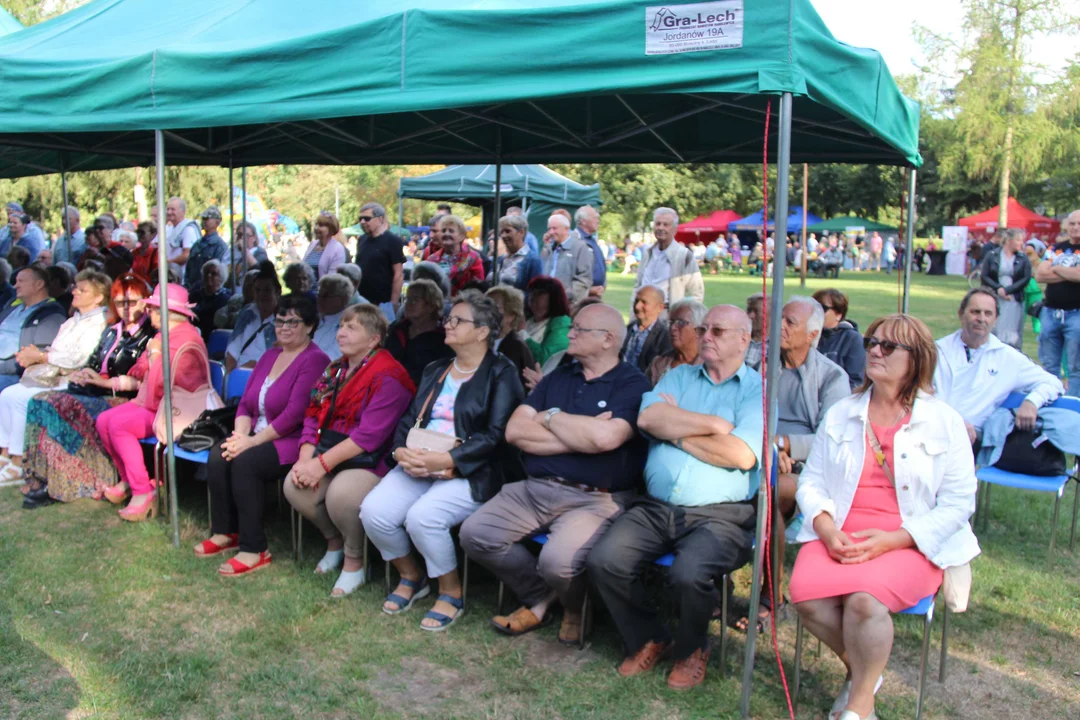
(178, 300)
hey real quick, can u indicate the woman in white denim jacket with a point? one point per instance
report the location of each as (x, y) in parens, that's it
(879, 534)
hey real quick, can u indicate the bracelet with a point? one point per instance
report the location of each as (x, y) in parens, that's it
(322, 462)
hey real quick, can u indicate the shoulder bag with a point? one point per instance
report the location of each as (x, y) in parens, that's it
(956, 583)
(431, 440)
(187, 405)
(326, 439)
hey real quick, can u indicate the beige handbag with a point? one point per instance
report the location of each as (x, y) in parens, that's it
(42, 375)
(187, 405)
(956, 584)
(430, 440)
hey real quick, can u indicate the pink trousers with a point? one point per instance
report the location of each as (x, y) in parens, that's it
(120, 429)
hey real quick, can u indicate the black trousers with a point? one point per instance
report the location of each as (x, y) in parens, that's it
(707, 541)
(236, 493)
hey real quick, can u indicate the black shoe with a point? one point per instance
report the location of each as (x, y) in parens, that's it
(29, 503)
(38, 494)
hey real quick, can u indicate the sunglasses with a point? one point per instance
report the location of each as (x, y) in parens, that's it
(888, 347)
(367, 218)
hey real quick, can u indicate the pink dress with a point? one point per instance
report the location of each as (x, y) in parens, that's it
(898, 578)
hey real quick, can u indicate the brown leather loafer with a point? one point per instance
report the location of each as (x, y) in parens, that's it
(645, 658)
(519, 622)
(690, 672)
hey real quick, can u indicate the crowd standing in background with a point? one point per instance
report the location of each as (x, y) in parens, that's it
(399, 388)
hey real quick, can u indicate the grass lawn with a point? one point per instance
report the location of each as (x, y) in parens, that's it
(103, 619)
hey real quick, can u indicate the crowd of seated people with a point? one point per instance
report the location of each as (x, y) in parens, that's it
(506, 413)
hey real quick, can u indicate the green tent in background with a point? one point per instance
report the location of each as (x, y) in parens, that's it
(453, 81)
(841, 224)
(8, 23)
(539, 189)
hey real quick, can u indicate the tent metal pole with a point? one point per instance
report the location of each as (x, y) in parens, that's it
(805, 212)
(498, 209)
(909, 240)
(63, 188)
(783, 167)
(232, 232)
(243, 189)
(166, 365)
(400, 206)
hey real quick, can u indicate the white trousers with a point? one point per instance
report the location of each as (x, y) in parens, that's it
(13, 403)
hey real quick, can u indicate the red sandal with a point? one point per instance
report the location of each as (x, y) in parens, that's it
(209, 548)
(239, 568)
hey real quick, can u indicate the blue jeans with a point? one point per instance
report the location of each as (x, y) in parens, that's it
(1061, 333)
(7, 381)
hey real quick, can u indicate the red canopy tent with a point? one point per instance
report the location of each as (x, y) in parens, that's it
(985, 223)
(706, 228)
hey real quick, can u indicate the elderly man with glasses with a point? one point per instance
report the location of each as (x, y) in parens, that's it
(704, 424)
(583, 458)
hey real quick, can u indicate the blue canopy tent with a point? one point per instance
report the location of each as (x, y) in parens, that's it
(748, 227)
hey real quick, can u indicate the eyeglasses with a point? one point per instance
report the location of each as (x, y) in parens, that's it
(124, 303)
(454, 320)
(680, 324)
(577, 329)
(888, 347)
(290, 323)
(715, 330)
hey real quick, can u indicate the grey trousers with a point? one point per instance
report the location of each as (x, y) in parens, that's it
(334, 506)
(574, 520)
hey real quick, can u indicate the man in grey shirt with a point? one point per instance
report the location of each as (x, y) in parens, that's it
(809, 385)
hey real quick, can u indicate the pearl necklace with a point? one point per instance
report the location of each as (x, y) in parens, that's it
(462, 370)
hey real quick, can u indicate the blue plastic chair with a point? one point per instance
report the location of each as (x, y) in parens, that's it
(217, 377)
(235, 382)
(219, 342)
(1053, 484)
(924, 608)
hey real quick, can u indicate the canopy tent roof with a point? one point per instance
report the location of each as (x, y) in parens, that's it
(542, 81)
(8, 23)
(474, 182)
(706, 228)
(1019, 216)
(794, 221)
(841, 224)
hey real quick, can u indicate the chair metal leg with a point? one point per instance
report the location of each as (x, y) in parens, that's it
(387, 580)
(502, 591)
(464, 576)
(798, 660)
(944, 644)
(1054, 522)
(300, 536)
(723, 625)
(986, 507)
(292, 535)
(209, 516)
(586, 609)
(1076, 509)
(927, 622)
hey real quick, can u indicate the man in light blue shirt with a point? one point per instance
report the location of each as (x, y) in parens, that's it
(70, 248)
(705, 425)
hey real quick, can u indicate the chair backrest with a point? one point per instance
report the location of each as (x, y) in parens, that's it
(217, 377)
(219, 341)
(235, 383)
(1065, 402)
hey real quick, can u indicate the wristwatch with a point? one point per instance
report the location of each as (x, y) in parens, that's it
(550, 414)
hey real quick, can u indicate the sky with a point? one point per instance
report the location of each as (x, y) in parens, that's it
(887, 28)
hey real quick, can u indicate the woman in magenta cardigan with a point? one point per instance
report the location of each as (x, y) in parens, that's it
(354, 411)
(265, 439)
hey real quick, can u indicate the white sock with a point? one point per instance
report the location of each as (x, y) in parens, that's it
(349, 581)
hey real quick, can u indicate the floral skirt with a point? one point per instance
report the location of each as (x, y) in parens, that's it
(63, 448)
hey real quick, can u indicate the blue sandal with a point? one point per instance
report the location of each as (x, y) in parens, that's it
(444, 621)
(420, 588)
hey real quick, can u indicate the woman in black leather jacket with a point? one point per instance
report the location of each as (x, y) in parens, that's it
(1006, 270)
(63, 449)
(468, 399)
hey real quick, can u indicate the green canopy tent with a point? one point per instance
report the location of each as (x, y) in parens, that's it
(231, 82)
(8, 23)
(842, 224)
(539, 190)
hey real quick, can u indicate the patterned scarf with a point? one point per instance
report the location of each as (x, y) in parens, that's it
(357, 387)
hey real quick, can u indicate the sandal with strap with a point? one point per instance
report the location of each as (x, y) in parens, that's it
(12, 474)
(420, 590)
(445, 621)
(209, 548)
(330, 562)
(845, 694)
(520, 621)
(239, 568)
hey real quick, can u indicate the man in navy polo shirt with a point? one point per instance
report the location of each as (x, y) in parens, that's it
(584, 457)
(705, 426)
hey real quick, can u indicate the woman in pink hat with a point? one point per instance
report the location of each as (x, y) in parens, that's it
(122, 427)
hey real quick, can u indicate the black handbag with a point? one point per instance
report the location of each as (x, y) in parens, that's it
(210, 428)
(327, 439)
(1027, 452)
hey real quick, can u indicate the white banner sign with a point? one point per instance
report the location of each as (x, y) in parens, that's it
(691, 28)
(954, 238)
